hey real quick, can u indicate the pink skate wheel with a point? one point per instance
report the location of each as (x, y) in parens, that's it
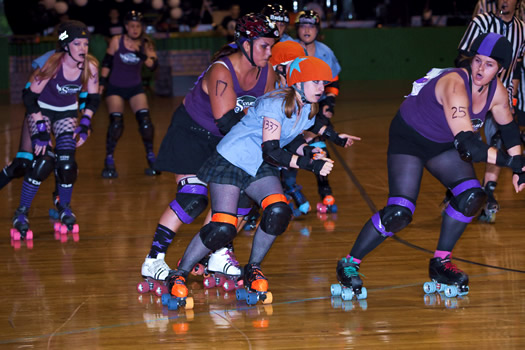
(63, 229)
(29, 244)
(143, 287)
(160, 289)
(15, 244)
(239, 284)
(29, 235)
(56, 226)
(321, 208)
(76, 237)
(63, 238)
(209, 282)
(228, 285)
(12, 231)
(16, 235)
(76, 229)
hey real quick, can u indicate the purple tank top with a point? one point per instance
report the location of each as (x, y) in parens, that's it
(60, 92)
(127, 67)
(198, 105)
(424, 113)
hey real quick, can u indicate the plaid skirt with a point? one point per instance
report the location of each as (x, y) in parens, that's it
(218, 170)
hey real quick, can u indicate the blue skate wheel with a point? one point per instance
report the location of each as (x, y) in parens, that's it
(53, 214)
(335, 302)
(363, 304)
(335, 289)
(451, 291)
(251, 299)
(363, 295)
(240, 294)
(429, 287)
(430, 299)
(165, 298)
(304, 208)
(333, 208)
(347, 305)
(347, 294)
(173, 303)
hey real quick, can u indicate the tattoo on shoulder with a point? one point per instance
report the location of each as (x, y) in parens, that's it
(220, 85)
(270, 126)
(459, 112)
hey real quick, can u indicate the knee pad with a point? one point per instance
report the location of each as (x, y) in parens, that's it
(220, 231)
(394, 217)
(20, 165)
(41, 167)
(145, 125)
(116, 125)
(66, 167)
(468, 199)
(191, 199)
(276, 214)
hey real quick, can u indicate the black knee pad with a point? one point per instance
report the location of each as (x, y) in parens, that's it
(216, 235)
(18, 167)
(66, 167)
(275, 218)
(41, 167)
(145, 125)
(116, 126)
(191, 199)
(395, 217)
(468, 198)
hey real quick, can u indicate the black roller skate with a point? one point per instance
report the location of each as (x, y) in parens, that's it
(20, 230)
(177, 295)
(151, 161)
(446, 278)
(350, 284)
(67, 221)
(256, 286)
(109, 171)
(488, 213)
(302, 206)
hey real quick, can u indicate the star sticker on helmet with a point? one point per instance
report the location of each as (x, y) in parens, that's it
(295, 65)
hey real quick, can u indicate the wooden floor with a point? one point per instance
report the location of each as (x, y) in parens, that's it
(82, 295)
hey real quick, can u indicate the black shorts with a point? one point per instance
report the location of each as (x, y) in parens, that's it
(186, 145)
(124, 92)
(520, 116)
(220, 171)
(55, 116)
(403, 139)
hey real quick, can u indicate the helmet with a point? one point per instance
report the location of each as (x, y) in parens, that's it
(308, 68)
(133, 16)
(71, 30)
(285, 51)
(494, 46)
(253, 26)
(276, 12)
(308, 17)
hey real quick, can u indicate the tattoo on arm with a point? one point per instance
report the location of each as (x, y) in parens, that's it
(459, 112)
(270, 126)
(218, 84)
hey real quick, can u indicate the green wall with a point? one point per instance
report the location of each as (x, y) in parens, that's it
(364, 53)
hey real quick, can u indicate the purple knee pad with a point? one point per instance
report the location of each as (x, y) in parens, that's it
(191, 199)
(391, 214)
(462, 188)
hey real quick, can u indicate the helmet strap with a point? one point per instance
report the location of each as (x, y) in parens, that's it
(80, 64)
(301, 93)
(250, 56)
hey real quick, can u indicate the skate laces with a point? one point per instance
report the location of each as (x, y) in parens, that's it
(352, 269)
(449, 265)
(256, 279)
(231, 258)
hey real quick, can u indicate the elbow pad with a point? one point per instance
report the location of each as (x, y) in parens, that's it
(107, 61)
(470, 147)
(510, 134)
(30, 101)
(92, 102)
(295, 144)
(333, 136)
(227, 121)
(275, 155)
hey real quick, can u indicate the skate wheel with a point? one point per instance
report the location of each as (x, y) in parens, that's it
(173, 304)
(220, 281)
(63, 229)
(239, 284)
(451, 291)
(333, 209)
(297, 213)
(329, 200)
(335, 302)
(75, 229)
(190, 314)
(29, 244)
(16, 235)
(347, 294)
(198, 269)
(363, 295)
(440, 287)
(347, 305)
(189, 303)
(429, 287)
(209, 282)
(321, 208)
(269, 298)
(335, 290)
(143, 287)
(29, 235)
(56, 226)
(240, 294)
(228, 286)
(53, 214)
(251, 298)
(12, 231)
(165, 298)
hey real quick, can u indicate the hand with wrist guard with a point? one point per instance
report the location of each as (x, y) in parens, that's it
(314, 152)
(41, 139)
(83, 130)
(516, 163)
(342, 140)
(319, 167)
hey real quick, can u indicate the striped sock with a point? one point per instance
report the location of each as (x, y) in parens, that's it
(29, 191)
(161, 241)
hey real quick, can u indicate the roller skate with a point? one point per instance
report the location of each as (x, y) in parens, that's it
(177, 296)
(20, 230)
(109, 171)
(488, 213)
(251, 219)
(223, 271)
(154, 271)
(302, 206)
(350, 284)
(66, 222)
(439, 300)
(327, 205)
(150, 171)
(446, 278)
(255, 286)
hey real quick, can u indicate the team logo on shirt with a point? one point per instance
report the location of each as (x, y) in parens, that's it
(129, 58)
(244, 102)
(69, 89)
(476, 124)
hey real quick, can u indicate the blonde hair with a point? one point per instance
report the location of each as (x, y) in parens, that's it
(51, 66)
(290, 102)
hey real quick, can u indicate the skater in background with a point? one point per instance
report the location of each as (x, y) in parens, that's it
(248, 159)
(279, 15)
(51, 104)
(237, 75)
(440, 137)
(121, 79)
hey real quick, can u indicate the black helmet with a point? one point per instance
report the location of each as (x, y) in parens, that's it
(308, 17)
(133, 16)
(276, 13)
(494, 46)
(253, 26)
(71, 30)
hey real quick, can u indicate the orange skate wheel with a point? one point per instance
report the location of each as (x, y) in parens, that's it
(189, 303)
(329, 200)
(269, 298)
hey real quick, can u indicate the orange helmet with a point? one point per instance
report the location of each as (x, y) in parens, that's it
(285, 52)
(308, 68)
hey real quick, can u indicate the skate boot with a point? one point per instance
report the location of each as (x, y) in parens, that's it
(488, 213)
(446, 277)
(327, 205)
(20, 230)
(154, 271)
(109, 171)
(223, 271)
(177, 295)
(256, 286)
(302, 206)
(150, 157)
(350, 283)
(67, 221)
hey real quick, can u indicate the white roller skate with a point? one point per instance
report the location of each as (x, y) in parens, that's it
(223, 270)
(154, 272)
